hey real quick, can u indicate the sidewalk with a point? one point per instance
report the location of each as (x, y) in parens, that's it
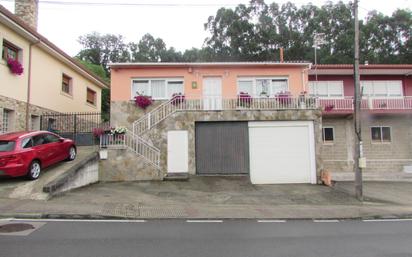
(218, 197)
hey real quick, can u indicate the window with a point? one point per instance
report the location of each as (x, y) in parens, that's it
(35, 122)
(49, 138)
(381, 88)
(157, 88)
(381, 134)
(262, 87)
(67, 84)
(27, 142)
(328, 134)
(326, 89)
(9, 51)
(7, 121)
(38, 140)
(91, 96)
(7, 146)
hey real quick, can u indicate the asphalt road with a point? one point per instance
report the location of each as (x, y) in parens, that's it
(237, 238)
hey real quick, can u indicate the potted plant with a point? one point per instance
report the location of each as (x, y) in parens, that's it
(142, 101)
(15, 66)
(329, 107)
(177, 98)
(244, 99)
(284, 97)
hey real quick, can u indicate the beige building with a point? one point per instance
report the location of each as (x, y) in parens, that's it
(51, 80)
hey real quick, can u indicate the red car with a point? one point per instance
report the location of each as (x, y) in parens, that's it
(27, 153)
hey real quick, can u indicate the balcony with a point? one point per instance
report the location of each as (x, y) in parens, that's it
(375, 105)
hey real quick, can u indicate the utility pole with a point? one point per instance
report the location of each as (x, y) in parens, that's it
(318, 40)
(359, 160)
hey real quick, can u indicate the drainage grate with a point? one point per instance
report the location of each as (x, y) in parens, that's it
(15, 227)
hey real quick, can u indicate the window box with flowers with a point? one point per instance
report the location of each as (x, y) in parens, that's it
(284, 98)
(142, 101)
(15, 66)
(244, 99)
(178, 98)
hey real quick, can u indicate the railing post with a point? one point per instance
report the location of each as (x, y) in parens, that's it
(148, 120)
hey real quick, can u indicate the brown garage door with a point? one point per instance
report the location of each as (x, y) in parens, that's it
(222, 148)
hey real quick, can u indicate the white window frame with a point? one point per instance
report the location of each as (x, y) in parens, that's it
(313, 84)
(254, 84)
(7, 121)
(386, 85)
(167, 80)
(381, 139)
(323, 135)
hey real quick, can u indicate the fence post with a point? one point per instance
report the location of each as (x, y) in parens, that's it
(74, 128)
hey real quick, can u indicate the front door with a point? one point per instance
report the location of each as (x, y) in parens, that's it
(212, 93)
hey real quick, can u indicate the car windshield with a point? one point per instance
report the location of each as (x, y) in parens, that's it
(6, 146)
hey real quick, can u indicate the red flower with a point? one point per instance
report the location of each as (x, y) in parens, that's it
(15, 66)
(142, 101)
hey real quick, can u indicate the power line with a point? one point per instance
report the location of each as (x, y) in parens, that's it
(68, 3)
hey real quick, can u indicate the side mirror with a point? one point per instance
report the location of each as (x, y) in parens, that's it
(61, 140)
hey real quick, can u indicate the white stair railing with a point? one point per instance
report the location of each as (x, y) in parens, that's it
(134, 143)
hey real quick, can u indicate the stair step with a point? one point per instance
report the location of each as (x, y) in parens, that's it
(177, 176)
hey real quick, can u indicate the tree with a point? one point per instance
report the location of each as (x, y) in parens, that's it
(102, 49)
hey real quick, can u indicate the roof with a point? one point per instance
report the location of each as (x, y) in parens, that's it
(15, 23)
(365, 69)
(207, 64)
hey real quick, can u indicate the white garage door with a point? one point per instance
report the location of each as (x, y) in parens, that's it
(282, 152)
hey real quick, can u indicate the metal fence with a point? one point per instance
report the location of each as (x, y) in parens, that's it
(77, 126)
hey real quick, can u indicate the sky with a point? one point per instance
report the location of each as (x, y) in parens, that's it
(180, 23)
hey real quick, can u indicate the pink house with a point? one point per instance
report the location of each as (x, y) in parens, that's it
(236, 118)
(386, 123)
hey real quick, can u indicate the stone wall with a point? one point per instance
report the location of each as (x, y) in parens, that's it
(125, 113)
(18, 120)
(381, 157)
(124, 165)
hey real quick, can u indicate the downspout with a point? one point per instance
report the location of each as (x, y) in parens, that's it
(29, 86)
(304, 71)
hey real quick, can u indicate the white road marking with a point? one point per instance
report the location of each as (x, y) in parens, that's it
(271, 221)
(76, 220)
(387, 220)
(204, 221)
(325, 221)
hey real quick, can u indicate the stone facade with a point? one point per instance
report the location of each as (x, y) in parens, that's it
(124, 165)
(125, 113)
(382, 157)
(27, 10)
(18, 113)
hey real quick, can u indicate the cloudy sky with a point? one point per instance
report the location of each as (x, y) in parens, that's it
(180, 23)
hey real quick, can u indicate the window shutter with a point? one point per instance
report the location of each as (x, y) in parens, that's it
(245, 86)
(278, 86)
(335, 89)
(91, 96)
(140, 87)
(394, 88)
(158, 88)
(174, 87)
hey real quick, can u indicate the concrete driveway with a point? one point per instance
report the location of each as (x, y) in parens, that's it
(21, 188)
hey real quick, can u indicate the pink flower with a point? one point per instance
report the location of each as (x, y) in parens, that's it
(15, 66)
(142, 101)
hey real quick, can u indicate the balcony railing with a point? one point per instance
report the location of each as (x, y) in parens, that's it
(375, 104)
(217, 103)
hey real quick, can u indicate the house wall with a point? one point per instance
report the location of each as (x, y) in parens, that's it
(47, 85)
(121, 78)
(381, 157)
(186, 121)
(11, 85)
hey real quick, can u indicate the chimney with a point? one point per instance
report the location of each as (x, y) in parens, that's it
(27, 10)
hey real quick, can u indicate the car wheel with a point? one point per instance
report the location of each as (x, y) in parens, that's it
(72, 153)
(34, 170)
